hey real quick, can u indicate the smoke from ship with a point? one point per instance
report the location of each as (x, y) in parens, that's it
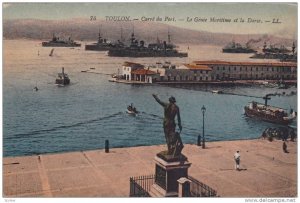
(254, 41)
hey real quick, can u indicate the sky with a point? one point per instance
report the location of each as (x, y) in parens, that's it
(286, 13)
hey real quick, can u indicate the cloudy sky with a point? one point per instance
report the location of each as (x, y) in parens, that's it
(286, 13)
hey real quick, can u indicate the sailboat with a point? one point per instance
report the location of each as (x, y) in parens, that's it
(51, 52)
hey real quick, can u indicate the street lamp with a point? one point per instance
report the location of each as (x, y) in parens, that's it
(203, 109)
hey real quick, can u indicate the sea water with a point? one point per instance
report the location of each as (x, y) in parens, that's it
(91, 109)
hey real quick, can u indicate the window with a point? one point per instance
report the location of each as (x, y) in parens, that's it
(234, 68)
(195, 77)
(201, 72)
(187, 77)
(223, 68)
(240, 68)
(206, 78)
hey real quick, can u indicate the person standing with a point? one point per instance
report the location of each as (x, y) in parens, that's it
(284, 147)
(237, 159)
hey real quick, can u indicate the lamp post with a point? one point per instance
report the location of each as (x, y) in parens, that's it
(203, 109)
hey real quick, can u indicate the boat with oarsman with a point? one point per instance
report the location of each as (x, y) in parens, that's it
(132, 110)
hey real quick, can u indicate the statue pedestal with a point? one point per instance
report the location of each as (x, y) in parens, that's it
(166, 175)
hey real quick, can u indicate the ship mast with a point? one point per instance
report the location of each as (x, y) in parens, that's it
(266, 98)
(99, 37)
(293, 48)
(169, 37)
(265, 45)
(122, 34)
(132, 36)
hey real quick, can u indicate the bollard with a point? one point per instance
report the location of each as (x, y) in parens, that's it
(184, 187)
(106, 146)
(199, 140)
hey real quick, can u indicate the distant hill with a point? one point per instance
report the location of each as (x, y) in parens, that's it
(82, 29)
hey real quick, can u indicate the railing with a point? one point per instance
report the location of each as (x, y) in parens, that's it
(198, 189)
(140, 186)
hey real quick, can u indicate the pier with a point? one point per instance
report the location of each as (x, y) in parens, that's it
(266, 171)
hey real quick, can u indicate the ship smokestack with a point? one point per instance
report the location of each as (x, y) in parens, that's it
(165, 46)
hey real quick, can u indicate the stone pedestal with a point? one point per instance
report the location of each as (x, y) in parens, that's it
(166, 175)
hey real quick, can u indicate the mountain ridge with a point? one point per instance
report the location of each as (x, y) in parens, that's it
(82, 29)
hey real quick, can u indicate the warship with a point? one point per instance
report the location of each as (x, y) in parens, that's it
(274, 49)
(237, 48)
(100, 45)
(138, 49)
(281, 53)
(56, 42)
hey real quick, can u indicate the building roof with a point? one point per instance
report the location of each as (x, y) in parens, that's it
(197, 67)
(143, 72)
(217, 62)
(132, 64)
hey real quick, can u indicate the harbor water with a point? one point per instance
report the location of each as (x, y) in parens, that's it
(91, 109)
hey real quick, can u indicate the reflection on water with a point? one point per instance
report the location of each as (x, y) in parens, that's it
(89, 111)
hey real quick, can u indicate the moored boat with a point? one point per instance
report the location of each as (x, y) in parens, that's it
(269, 113)
(217, 91)
(56, 42)
(62, 78)
(237, 48)
(138, 49)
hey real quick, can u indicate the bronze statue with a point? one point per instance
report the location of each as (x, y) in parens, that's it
(171, 110)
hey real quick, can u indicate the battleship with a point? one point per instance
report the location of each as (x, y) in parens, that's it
(56, 42)
(237, 48)
(275, 49)
(138, 49)
(281, 53)
(101, 45)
